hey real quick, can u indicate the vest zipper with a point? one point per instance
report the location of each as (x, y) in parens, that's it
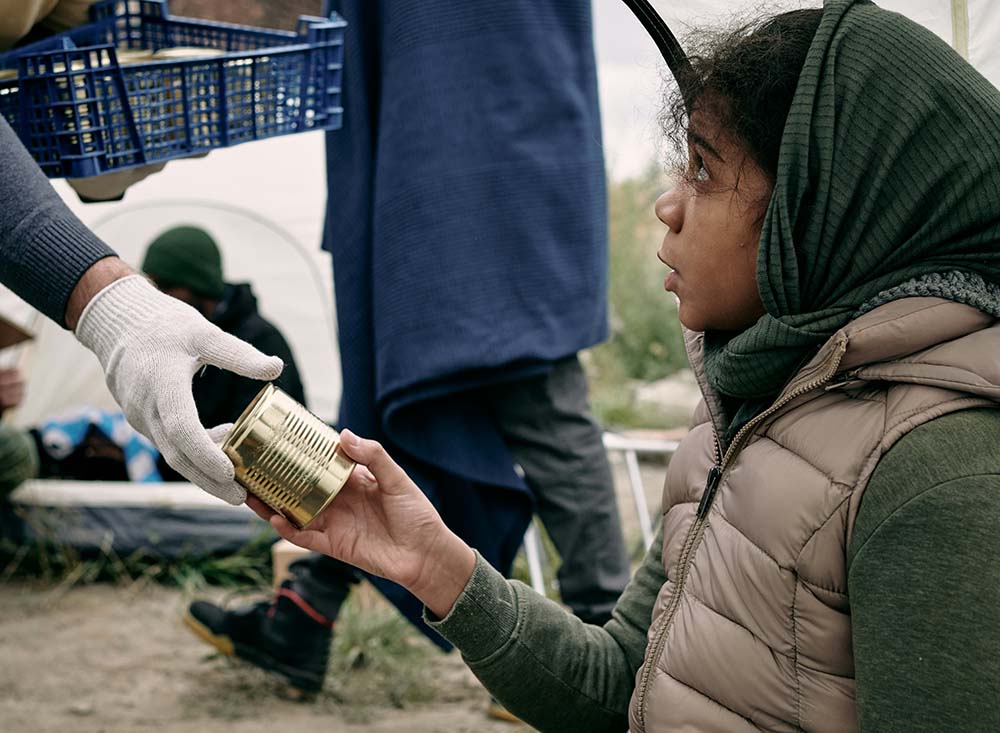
(697, 530)
(708, 496)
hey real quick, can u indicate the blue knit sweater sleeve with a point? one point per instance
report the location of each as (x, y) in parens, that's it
(44, 248)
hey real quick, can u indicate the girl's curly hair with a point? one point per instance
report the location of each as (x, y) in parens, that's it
(745, 79)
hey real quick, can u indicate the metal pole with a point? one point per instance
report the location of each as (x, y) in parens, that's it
(960, 27)
(533, 553)
(639, 497)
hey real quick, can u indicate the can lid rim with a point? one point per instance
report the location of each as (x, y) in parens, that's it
(245, 421)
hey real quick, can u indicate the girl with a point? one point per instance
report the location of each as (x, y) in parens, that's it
(827, 557)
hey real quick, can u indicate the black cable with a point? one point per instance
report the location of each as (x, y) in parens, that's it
(665, 41)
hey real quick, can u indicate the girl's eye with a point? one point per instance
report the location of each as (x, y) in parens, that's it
(697, 172)
(700, 171)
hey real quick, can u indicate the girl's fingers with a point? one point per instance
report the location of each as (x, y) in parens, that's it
(391, 478)
(310, 539)
(366, 476)
(261, 509)
(284, 527)
(361, 478)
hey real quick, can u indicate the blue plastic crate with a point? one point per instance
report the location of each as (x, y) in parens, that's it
(81, 113)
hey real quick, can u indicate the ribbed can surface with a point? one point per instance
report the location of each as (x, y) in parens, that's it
(287, 457)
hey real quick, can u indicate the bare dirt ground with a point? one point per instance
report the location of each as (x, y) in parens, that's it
(116, 658)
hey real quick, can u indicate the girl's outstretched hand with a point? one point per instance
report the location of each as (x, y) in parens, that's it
(383, 523)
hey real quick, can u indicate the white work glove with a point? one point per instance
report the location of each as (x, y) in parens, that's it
(151, 345)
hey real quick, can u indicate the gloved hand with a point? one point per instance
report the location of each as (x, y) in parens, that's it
(151, 345)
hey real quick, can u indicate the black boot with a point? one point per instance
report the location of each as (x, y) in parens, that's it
(286, 636)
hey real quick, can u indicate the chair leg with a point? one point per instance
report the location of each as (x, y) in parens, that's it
(639, 497)
(533, 553)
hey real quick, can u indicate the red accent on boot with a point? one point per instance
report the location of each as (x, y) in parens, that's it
(299, 601)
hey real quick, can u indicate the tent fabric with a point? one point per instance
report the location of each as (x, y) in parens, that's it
(984, 38)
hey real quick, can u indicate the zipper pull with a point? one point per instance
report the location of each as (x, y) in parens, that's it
(848, 379)
(710, 488)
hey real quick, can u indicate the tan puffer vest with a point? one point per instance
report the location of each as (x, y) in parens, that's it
(752, 630)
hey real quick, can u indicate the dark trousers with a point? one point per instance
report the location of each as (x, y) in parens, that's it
(548, 428)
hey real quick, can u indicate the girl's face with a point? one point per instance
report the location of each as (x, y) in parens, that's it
(714, 217)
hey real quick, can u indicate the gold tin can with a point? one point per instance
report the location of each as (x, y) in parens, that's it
(287, 457)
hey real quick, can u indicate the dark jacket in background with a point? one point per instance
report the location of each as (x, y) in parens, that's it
(222, 395)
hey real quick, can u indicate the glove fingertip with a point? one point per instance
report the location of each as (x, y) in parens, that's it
(218, 434)
(219, 469)
(271, 368)
(229, 491)
(232, 493)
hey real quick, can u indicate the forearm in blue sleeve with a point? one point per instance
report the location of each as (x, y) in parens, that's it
(44, 248)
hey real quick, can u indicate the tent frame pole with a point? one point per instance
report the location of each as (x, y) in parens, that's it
(960, 27)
